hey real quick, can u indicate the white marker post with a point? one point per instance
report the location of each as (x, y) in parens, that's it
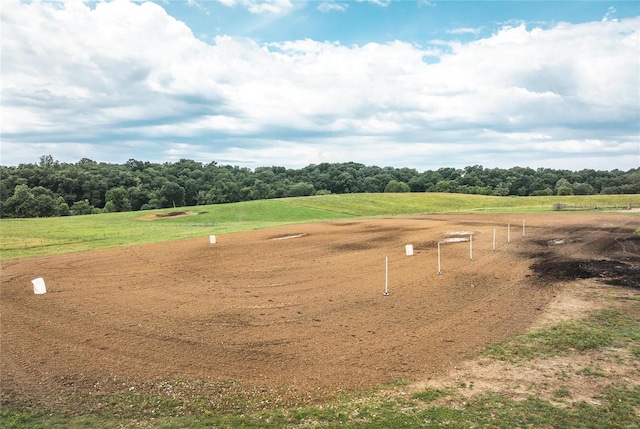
(509, 233)
(471, 247)
(494, 240)
(212, 239)
(439, 272)
(523, 227)
(386, 276)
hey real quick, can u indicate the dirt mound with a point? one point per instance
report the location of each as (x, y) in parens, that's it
(298, 318)
(166, 215)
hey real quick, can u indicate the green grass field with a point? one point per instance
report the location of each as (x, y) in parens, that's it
(23, 238)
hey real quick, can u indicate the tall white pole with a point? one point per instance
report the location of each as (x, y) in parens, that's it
(439, 272)
(509, 233)
(386, 276)
(494, 240)
(471, 247)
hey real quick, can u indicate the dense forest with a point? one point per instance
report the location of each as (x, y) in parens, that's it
(52, 188)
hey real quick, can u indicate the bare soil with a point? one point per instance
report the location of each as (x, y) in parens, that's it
(297, 312)
(156, 216)
(582, 377)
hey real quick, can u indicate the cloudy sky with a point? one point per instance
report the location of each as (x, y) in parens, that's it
(420, 84)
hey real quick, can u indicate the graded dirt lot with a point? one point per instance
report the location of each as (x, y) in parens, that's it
(297, 311)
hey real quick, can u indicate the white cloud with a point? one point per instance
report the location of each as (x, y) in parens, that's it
(196, 4)
(383, 3)
(328, 6)
(529, 96)
(609, 15)
(465, 30)
(277, 7)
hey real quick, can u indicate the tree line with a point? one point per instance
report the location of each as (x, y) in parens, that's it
(51, 188)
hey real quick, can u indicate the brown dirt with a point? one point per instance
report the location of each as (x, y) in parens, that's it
(156, 216)
(584, 376)
(297, 309)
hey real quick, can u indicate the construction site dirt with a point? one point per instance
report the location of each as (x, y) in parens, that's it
(295, 313)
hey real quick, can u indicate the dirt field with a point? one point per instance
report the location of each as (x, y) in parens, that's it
(294, 312)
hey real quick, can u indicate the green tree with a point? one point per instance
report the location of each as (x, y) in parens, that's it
(138, 196)
(396, 186)
(81, 208)
(563, 187)
(542, 192)
(171, 195)
(45, 201)
(502, 189)
(564, 190)
(21, 204)
(109, 207)
(223, 191)
(47, 161)
(119, 199)
(61, 207)
(260, 190)
(447, 186)
(582, 189)
(301, 189)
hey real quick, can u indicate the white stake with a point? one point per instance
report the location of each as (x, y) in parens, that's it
(471, 247)
(523, 227)
(494, 240)
(439, 272)
(509, 233)
(386, 276)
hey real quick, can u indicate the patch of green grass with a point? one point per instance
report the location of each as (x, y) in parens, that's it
(603, 329)
(589, 372)
(562, 392)
(429, 395)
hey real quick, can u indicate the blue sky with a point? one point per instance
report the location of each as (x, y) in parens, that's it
(360, 22)
(420, 84)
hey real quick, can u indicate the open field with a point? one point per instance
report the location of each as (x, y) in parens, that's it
(270, 327)
(20, 238)
(291, 314)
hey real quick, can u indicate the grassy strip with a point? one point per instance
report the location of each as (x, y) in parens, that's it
(411, 203)
(23, 238)
(481, 411)
(604, 329)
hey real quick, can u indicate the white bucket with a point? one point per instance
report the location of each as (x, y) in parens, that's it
(408, 249)
(212, 239)
(38, 286)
